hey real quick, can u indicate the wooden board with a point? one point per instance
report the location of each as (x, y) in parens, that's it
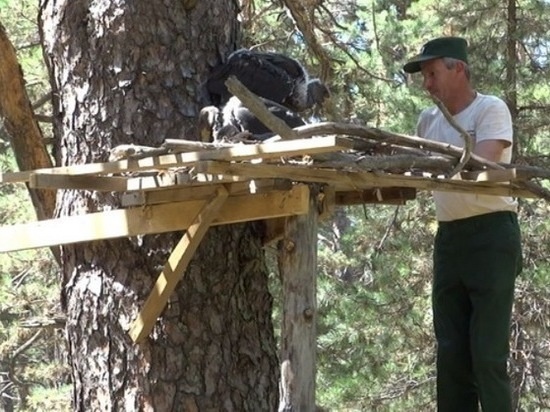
(175, 266)
(239, 152)
(100, 183)
(161, 218)
(381, 195)
(344, 180)
(179, 194)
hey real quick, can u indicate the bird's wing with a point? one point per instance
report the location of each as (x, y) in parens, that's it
(289, 65)
(256, 71)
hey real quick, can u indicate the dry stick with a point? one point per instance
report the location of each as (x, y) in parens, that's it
(468, 141)
(181, 145)
(388, 138)
(253, 102)
(393, 163)
(370, 134)
(131, 151)
(11, 371)
(278, 126)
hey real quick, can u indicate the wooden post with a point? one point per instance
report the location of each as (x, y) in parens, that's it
(298, 269)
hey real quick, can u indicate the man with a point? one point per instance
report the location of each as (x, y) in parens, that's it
(477, 250)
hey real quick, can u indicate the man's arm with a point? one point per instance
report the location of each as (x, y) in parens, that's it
(491, 149)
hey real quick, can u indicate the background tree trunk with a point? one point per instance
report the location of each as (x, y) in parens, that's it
(129, 72)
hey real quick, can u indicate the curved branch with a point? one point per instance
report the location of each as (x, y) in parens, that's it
(23, 348)
(302, 11)
(468, 141)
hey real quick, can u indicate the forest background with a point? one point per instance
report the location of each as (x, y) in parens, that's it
(375, 340)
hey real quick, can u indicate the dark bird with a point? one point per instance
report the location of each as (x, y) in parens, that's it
(235, 118)
(273, 76)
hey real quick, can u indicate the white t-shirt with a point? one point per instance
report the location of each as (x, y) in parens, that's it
(486, 118)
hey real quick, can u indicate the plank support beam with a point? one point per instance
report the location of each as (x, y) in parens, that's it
(175, 267)
(159, 218)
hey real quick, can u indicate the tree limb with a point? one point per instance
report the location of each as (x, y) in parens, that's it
(468, 141)
(26, 138)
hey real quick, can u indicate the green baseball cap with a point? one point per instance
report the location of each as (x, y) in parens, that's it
(455, 47)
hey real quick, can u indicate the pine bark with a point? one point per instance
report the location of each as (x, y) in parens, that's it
(129, 73)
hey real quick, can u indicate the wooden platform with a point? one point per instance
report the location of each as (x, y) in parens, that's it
(193, 190)
(263, 181)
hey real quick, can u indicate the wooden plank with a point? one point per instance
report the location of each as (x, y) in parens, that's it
(381, 195)
(175, 267)
(99, 183)
(190, 178)
(344, 180)
(159, 180)
(161, 218)
(239, 152)
(180, 194)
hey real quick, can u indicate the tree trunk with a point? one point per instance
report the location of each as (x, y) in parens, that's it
(511, 94)
(129, 72)
(26, 137)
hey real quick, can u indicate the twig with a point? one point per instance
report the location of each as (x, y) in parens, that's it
(387, 232)
(57, 321)
(46, 98)
(19, 351)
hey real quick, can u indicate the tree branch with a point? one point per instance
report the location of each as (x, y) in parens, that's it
(468, 141)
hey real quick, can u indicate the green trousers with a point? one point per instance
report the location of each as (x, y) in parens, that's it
(476, 261)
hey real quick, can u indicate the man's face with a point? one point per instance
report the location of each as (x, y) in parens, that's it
(439, 80)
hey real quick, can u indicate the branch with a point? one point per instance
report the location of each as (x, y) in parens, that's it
(468, 141)
(371, 137)
(253, 102)
(26, 138)
(25, 135)
(392, 163)
(56, 321)
(42, 101)
(302, 12)
(23, 348)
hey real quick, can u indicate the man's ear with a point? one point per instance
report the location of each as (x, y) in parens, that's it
(460, 66)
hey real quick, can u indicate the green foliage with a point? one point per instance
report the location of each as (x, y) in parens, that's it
(34, 375)
(374, 311)
(50, 399)
(375, 346)
(29, 293)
